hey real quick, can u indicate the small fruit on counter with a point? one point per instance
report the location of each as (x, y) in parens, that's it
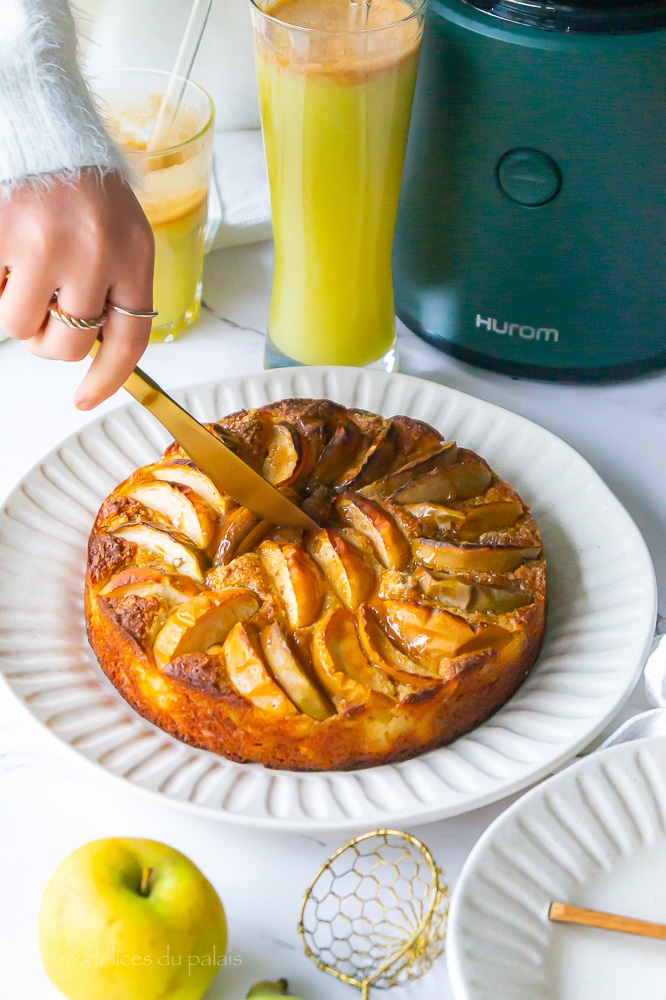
(268, 989)
(131, 919)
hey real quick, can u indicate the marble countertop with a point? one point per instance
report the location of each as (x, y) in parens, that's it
(51, 802)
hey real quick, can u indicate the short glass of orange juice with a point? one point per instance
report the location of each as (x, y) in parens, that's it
(171, 183)
(336, 81)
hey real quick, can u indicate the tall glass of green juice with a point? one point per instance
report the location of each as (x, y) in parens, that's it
(335, 86)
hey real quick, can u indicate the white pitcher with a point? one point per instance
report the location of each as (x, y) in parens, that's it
(147, 33)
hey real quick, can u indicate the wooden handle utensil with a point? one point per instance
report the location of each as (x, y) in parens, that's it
(566, 914)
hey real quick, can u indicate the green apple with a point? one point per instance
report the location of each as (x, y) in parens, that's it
(269, 989)
(130, 919)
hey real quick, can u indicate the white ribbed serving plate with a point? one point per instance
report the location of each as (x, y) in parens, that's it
(602, 610)
(594, 836)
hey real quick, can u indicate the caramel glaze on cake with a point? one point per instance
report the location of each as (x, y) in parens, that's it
(407, 620)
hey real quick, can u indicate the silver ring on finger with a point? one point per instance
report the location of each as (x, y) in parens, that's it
(135, 313)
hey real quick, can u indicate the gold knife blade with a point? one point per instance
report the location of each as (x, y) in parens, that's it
(229, 472)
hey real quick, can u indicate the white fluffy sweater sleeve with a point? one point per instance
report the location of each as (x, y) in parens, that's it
(48, 120)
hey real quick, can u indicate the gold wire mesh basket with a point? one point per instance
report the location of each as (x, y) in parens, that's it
(375, 915)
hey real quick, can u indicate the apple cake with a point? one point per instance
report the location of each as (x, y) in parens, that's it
(411, 615)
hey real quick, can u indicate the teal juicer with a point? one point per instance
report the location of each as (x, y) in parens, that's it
(532, 224)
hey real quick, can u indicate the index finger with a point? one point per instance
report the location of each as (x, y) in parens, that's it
(124, 340)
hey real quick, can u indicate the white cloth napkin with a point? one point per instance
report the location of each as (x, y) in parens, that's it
(240, 210)
(652, 722)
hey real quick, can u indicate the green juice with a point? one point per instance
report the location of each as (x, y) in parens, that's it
(335, 129)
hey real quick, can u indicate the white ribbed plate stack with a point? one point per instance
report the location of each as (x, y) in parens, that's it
(593, 836)
(602, 609)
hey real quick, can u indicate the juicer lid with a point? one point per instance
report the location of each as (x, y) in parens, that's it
(598, 16)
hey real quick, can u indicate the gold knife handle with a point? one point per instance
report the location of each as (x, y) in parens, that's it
(142, 387)
(147, 392)
(161, 405)
(257, 494)
(208, 452)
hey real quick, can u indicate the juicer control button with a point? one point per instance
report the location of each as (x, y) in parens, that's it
(529, 176)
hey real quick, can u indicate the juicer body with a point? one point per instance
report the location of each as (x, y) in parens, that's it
(532, 223)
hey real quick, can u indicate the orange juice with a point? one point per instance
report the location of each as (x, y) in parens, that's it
(335, 106)
(171, 184)
(178, 227)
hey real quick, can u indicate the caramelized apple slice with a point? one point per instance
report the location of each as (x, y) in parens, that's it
(203, 621)
(469, 558)
(388, 542)
(341, 664)
(415, 469)
(437, 635)
(149, 581)
(423, 631)
(296, 578)
(185, 472)
(434, 516)
(335, 682)
(470, 523)
(151, 574)
(417, 439)
(241, 531)
(358, 540)
(301, 640)
(284, 458)
(384, 654)
(181, 506)
(492, 516)
(317, 504)
(488, 636)
(245, 433)
(343, 566)
(470, 596)
(376, 461)
(117, 510)
(291, 676)
(162, 544)
(468, 477)
(248, 674)
(338, 455)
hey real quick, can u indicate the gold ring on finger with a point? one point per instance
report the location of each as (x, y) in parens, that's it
(76, 322)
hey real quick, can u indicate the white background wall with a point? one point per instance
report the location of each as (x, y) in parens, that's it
(117, 33)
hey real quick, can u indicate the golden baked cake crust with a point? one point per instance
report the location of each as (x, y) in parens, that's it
(409, 618)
